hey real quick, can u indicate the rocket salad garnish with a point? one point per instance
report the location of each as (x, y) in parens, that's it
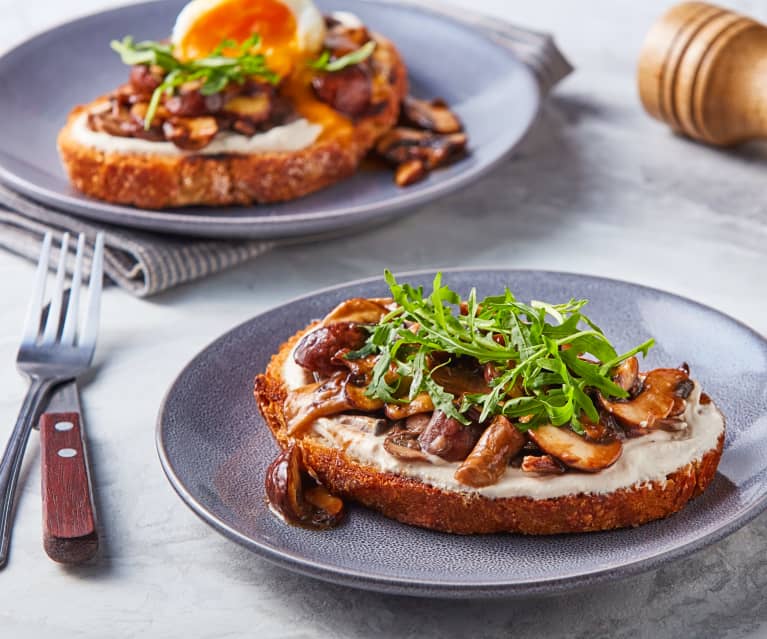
(549, 358)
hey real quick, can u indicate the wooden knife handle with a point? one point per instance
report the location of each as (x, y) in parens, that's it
(69, 523)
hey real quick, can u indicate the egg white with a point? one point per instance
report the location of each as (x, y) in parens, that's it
(310, 24)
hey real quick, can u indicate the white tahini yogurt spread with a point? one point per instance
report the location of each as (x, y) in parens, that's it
(289, 137)
(649, 458)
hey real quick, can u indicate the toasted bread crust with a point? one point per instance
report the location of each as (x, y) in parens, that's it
(161, 181)
(413, 502)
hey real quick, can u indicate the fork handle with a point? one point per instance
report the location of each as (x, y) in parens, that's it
(69, 524)
(10, 465)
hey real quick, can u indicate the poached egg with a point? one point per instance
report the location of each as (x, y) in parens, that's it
(290, 30)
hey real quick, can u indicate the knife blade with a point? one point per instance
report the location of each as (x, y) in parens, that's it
(69, 520)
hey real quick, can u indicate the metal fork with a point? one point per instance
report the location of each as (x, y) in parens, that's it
(50, 354)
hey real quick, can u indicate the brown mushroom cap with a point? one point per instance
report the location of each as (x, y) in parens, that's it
(349, 91)
(359, 400)
(403, 444)
(364, 423)
(626, 374)
(190, 134)
(574, 450)
(656, 401)
(357, 309)
(421, 403)
(401, 144)
(410, 172)
(314, 507)
(462, 377)
(432, 115)
(318, 350)
(308, 403)
(448, 438)
(253, 108)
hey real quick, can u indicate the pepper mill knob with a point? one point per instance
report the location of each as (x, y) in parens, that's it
(703, 71)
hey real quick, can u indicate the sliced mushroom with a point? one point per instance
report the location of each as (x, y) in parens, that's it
(313, 507)
(418, 423)
(138, 112)
(544, 464)
(433, 115)
(626, 374)
(401, 145)
(410, 172)
(251, 108)
(112, 118)
(190, 104)
(348, 91)
(655, 401)
(421, 403)
(448, 438)
(359, 400)
(318, 350)
(190, 134)
(145, 79)
(359, 368)
(461, 377)
(602, 430)
(403, 444)
(365, 423)
(357, 309)
(574, 450)
(488, 460)
(308, 403)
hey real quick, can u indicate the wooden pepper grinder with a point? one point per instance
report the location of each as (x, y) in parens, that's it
(703, 71)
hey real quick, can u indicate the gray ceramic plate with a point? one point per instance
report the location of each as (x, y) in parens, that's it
(495, 95)
(215, 447)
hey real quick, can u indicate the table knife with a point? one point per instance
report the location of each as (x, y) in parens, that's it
(69, 521)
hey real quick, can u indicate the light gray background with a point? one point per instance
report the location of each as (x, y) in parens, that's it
(598, 187)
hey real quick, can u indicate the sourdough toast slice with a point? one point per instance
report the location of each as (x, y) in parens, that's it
(411, 501)
(155, 181)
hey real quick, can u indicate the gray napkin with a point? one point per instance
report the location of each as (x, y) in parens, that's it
(144, 263)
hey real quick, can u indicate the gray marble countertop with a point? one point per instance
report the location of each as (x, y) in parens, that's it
(598, 187)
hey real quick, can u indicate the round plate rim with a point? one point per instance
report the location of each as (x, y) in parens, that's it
(432, 588)
(262, 226)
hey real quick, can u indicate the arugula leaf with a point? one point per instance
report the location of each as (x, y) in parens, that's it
(537, 347)
(324, 62)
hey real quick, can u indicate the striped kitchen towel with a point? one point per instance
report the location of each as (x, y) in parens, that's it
(145, 264)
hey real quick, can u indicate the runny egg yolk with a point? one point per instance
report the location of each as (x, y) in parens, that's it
(277, 26)
(239, 19)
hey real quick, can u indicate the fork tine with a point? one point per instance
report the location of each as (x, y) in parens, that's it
(54, 312)
(32, 321)
(91, 329)
(73, 307)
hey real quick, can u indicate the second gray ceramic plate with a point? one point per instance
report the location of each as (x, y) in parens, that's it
(215, 447)
(495, 95)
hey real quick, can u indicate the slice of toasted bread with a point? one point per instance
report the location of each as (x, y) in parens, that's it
(156, 181)
(409, 500)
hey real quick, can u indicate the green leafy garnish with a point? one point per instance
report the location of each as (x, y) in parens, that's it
(542, 354)
(215, 72)
(324, 63)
